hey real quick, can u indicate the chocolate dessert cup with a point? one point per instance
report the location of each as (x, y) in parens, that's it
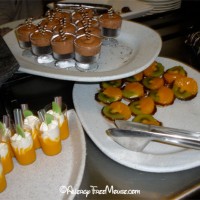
(87, 52)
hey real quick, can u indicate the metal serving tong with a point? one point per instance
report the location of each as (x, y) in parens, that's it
(135, 136)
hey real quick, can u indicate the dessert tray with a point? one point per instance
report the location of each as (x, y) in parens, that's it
(137, 8)
(155, 157)
(138, 47)
(45, 177)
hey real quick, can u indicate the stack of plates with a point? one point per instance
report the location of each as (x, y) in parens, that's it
(160, 6)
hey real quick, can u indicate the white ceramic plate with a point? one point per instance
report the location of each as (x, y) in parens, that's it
(138, 47)
(156, 157)
(43, 178)
(137, 8)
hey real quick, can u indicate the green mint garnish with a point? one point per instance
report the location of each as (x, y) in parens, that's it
(2, 128)
(56, 108)
(27, 113)
(48, 118)
(20, 131)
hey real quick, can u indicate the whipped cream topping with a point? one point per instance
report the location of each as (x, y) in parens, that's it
(50, 131)
(19, 142)
(31, 121)
(59, 117)
(7, 134)
(3, 149)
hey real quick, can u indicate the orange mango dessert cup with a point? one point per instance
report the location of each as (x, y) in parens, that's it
(61, 118)
(50, 138)
(3, 183)
(6, 158)
(33, 123)
(23, 148)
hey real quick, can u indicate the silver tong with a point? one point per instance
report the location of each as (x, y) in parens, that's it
(135, 136)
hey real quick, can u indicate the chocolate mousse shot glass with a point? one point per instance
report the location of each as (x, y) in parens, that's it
(63, 49)
(87, 52)
(110, 24)
(41, 45)
(23, 34)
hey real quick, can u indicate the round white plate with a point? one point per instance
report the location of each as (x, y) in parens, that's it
(43, 178)
(138, 47)
(156, 157)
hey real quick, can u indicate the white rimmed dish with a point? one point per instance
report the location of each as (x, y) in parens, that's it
(43, 178)
(156, 157)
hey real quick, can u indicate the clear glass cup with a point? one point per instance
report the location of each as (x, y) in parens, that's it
(62, 119)
(41, 45)
(3, 183)
(63, 50)
(87, 52)
(110, 24)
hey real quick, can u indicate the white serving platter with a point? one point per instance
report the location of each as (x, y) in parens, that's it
(138, 47)
(156, 157)
(44, 178)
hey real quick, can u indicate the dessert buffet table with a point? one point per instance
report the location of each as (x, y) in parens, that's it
(101, 172)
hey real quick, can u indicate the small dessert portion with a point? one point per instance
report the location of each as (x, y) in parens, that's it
(173, 73)
(22, 144)
(58, 109)
(135, 78)
(115, 83)
(63, 46)
(145, 105)
(163, 96)
(133, 90)
(185, 88)
(110, 23)
(87, 52)
(82, 13)
(6, 158)
(41, 41)
(23, 33)
(3, 183)
(33, 123)
(153, 83)
(50, 136)
(154, 70)
(109, 95)
(146, 119)
(116, 110)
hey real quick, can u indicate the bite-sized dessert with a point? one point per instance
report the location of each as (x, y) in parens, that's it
(3, 183)
(82, 13)
(41, 41)
(90, 22)
(146, 119)
(6, 134)
(135, 78)
(33, 123)
(22, 144)
(133, 90)
(145, 105)
(91, 30)
(50, 136)
(109, 95)
(185, 88)
(156, 69)
(110, 23)
(66, 27)
(153, 83)
(116, 110)
(163, 96)
(63, 46)
(58, 13)
(87, 48)
(23, 34)
(56, 111)
(173, 73)
(114, 83)
(6, 158)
